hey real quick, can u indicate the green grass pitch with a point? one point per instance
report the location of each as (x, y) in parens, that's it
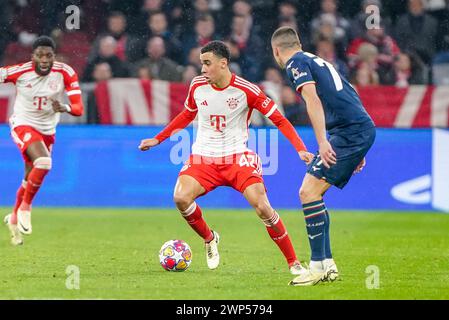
(116, 251)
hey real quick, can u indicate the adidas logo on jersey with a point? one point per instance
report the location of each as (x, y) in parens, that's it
(204, 103)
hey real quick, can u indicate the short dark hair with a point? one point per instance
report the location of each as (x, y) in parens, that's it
(205, 17)
(286, 37)
(44, 41)
(218, 48)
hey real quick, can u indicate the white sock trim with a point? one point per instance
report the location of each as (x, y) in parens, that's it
(43, 163)
(189, 210)
(274, 219)
(24, 184)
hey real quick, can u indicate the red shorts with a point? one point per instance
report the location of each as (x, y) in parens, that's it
(237, 171)
(24, 136)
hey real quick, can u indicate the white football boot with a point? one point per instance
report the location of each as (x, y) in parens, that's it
(24, 221)
(296, 268)
(16, 236)
(331, 270)
(212, 256)
(311, 276)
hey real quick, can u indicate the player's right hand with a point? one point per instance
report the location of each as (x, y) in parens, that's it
(328, 155)
(146, 144)
(305, 156)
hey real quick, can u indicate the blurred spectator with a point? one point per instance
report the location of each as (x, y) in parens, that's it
(236, 58)
(204, 32)
(243, 8)
(101, 72)
(272, 85)
(251, 48)
(144, 72)
(273, 75)
(325, 49)
(189, 73)
(294, 109)
(159, 66)
(126, 44)
(288, 22)
(365, 72)
(416, 31)
(365, 76)
(201, 7)
(287, 9)
(330, 24)
(288, 17)
(178, 20)
(158, 26)
(408, 69)
(106, 53)
(358, 23)
(194, 59)
(386, 47)
(139, 21)
(196, 9)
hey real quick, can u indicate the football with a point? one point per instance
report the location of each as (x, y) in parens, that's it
(175, 255)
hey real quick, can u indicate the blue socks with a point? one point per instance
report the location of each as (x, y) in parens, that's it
(317, 224)
(327, 247)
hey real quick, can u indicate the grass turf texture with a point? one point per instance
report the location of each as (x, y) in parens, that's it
(116, 251)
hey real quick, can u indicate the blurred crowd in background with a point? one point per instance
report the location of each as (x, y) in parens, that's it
(161, 39)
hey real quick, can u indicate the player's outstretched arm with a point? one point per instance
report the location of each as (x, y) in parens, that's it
(316, 115)
(75, 108)
(146, 144)
(73, 90)
(181, 121)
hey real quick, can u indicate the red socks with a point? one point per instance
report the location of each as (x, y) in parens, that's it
(194, 218)
(35, 178)
(19, 198)
(278, 233)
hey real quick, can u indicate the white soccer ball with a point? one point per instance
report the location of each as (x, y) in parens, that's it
(175, 255)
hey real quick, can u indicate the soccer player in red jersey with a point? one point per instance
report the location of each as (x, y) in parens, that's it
(223, 103)
(40, 85)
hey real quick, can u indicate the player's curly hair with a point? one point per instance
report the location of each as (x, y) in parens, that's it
(218, 48)
(44, 41)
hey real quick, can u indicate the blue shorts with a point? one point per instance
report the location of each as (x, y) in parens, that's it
(350, 150)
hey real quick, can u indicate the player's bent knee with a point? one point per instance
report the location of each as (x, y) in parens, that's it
(182, 201)
(306, 195)
(43, 163)
(263, 209)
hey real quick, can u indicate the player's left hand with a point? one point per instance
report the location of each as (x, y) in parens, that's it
(57, 106)
(305, 156)
(360, 166)
(146, 144)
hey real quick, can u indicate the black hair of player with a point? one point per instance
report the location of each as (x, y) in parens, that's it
(44, 41)
(218, 48)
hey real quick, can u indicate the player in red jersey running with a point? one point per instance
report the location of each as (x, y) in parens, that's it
(223, 103)
(40, 85)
